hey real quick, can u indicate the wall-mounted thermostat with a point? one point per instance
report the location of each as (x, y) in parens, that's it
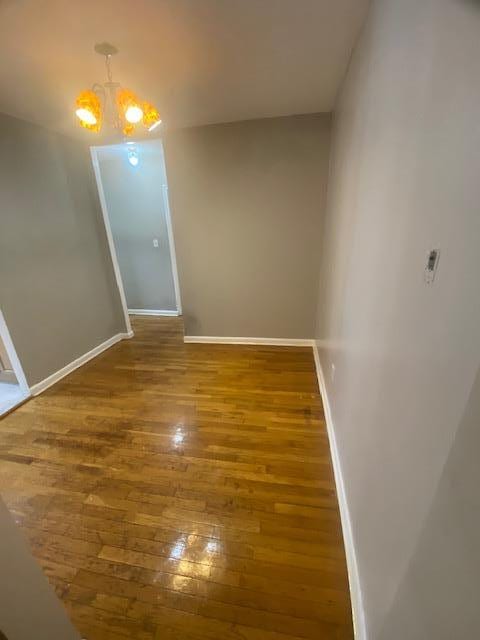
(432, 264)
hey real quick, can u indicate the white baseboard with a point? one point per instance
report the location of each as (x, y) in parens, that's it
(152, 312)
(41, 386)
(274, 342)
(352, 566)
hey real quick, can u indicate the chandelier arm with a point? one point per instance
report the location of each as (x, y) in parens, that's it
(98, 88)
(101, 92)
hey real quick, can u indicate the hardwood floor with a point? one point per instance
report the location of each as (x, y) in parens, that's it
(175, 491)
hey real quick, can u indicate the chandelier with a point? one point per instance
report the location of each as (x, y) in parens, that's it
(110, 102)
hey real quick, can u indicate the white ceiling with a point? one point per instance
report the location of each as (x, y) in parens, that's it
(199, 61)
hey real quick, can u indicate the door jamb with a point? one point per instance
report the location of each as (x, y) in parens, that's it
(111, 244)
(13, 357)
(171, 242)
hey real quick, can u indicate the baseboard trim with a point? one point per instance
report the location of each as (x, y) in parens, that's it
(43, 385)
(274, 342)
(352, 565)
(152, 312)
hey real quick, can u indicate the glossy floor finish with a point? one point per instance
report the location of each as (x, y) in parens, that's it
(176, 491)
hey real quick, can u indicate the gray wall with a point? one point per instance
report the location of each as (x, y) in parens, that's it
(438, 594)
(245, 201)
(405, 177)
(57, 288)
(136, 211)
(29, 608)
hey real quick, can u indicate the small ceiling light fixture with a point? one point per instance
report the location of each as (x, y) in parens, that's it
(111, 102)
(132, 155)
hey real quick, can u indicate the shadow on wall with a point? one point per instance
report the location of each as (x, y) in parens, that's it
(447, 552)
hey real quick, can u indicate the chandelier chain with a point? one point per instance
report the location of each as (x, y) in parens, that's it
(109, 70)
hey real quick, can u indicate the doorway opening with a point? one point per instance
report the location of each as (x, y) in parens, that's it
(13, 384)
(132, 185)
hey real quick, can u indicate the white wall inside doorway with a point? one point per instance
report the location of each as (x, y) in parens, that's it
(137, 216)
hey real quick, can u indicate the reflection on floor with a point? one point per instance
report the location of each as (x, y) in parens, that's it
(175, 491)
(10, 396)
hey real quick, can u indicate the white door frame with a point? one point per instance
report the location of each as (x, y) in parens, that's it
(171, 242)
(111, 244)
(12, 356)
(113, 251)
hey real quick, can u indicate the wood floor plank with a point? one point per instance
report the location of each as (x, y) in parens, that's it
(182, 492)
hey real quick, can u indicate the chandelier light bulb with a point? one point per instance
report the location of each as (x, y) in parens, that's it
(86, 116)
(133, 114)
(88, 110)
